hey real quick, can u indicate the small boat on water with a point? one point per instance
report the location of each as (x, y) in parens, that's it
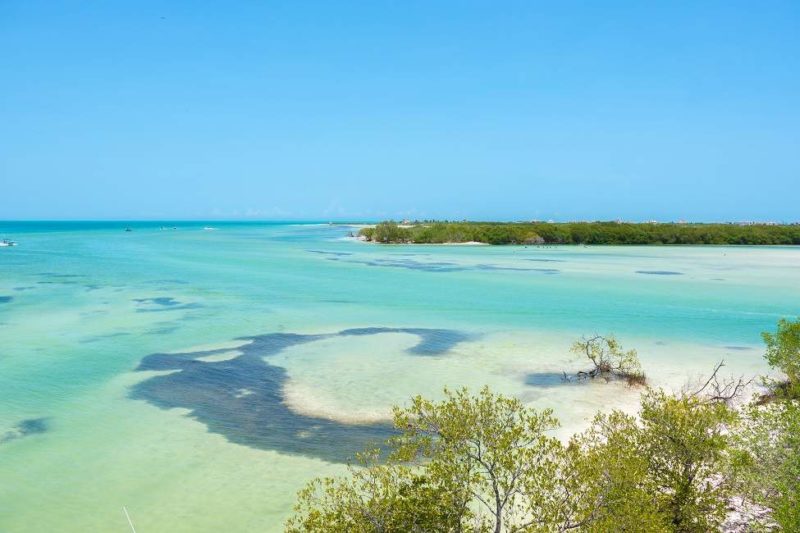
(5, 243)
(128, 229)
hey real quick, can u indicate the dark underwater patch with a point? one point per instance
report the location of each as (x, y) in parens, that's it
(424, 266)
(660, 272)
(432, 341)
(32, 426)
(175, 308)
(53, 278)
(442, 266)
(326, 252)
(739, 348)
(163, 303)
(25, 428)
(166, 301)
(241, 398)
(98, 338)
(5, 299)
(166, 330)
(495, 267)
(547, 380)
(518, 269)
(547, 260)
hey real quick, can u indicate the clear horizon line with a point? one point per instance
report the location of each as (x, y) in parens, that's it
(342, 220)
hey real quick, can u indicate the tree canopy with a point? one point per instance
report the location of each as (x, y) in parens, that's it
(533, 233)
(486, 463)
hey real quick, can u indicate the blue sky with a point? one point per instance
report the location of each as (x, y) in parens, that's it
(337, 110)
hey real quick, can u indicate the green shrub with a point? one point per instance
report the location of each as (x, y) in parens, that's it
(609, 360)
(766, 465)
(783, 354)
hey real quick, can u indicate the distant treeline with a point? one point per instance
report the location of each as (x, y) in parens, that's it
(581, 233)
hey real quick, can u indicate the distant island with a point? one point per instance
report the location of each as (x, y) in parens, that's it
(611, 233)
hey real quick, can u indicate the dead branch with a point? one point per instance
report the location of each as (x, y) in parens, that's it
(724, 390)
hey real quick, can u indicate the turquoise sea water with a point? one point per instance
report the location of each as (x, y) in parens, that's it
(200, 377)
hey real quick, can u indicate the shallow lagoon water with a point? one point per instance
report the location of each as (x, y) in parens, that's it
(201, 377)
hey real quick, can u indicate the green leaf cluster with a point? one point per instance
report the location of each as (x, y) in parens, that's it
(487, 463)
(388, 233)
(766, 462)
(378, 497)
(783, 354)
(493, 448)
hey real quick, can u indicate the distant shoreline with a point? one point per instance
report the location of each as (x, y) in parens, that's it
(586, 233)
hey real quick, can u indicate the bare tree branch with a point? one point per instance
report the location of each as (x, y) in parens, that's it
(724, 390)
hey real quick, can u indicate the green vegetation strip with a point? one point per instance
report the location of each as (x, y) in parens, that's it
(582, 233)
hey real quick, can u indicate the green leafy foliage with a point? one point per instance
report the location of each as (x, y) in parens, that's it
(388, 233)
(494, 449)
(613, 491)
(609, 360)
(378, 497)
(655, 472)
(486, 463)
(685, 440)
(783, 354)
(582, 233)
(766, 464)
